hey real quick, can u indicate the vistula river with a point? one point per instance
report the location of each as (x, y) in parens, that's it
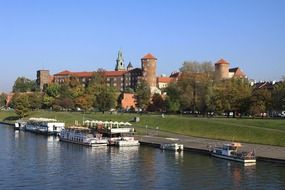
(29, 161)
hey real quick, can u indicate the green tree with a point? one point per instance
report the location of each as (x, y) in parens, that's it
(231, 95)
(21, 104)
(105, 99)
(53, 90)
(260, 101)
(173, 98)
(142, 95)
(278, 96)
(23, 84)
(3, 98)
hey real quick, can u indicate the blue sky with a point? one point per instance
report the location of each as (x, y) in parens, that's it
(86, 35)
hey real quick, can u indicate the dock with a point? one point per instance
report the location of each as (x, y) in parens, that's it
(266, 153)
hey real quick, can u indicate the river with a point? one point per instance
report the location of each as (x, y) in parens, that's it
(30, 161)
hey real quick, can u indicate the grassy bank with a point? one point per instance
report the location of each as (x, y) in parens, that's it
(261, 131)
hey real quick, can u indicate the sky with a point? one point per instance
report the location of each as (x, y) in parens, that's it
(86, 35)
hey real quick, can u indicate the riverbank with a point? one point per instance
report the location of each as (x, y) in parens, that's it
(254, 131)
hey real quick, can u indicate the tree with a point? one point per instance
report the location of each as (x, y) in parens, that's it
(21, 104)
(23, 84)
(35, 100)
(3, 98)
(105, 99)
(142, 95)
(195, 81)
(260, 101)
(173, 98)
(157, 103)
(230, 95)
(278, 96)
(84, 102)
(53, 90)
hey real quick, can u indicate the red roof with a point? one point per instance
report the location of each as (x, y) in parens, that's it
(165, 79)
(65, 72)
(222, 61)
(82, 74)
(77, 74)
(114, 73)
(149, 56)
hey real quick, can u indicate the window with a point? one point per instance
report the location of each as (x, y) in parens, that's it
(108, 79)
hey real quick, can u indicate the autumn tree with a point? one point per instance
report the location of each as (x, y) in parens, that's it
(194, 83)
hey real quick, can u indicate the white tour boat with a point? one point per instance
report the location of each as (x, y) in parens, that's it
(172, 146)
(82, 135)
(230, 152)
(120, 136)
(44, 126)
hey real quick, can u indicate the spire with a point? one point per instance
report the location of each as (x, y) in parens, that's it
(120, 66)
(130, 66)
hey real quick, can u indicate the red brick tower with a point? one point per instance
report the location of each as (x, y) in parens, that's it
(149, 69)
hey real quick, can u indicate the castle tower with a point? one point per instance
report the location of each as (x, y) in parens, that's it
(149, 69)
(222, 70)
(120, 66)
(42, 78)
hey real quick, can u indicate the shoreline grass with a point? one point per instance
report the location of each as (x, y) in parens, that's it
(258, 131)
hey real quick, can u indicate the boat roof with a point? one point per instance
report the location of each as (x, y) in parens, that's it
(234, 144)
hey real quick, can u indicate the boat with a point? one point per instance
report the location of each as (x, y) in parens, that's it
(231, 152)
(20, 125)
(82, 136)
(172, 146)
(44, 126)
(118, 136)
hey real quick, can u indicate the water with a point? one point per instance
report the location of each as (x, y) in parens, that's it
(29, 161)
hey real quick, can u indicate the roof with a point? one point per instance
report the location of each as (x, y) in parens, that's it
(222, 61)
(65, 72)
(237, 72)
(114, 73)
(165, 79)
(149, 56)
(77, 74)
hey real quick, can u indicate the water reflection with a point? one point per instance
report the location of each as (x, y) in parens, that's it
(30, 161)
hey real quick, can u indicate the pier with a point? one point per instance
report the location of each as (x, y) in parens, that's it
(266, 153)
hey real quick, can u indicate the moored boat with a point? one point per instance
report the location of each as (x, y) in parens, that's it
(118, 136)
(230, 152)
(82, 136)
(172, 146)
(20, 125)
(44, 126)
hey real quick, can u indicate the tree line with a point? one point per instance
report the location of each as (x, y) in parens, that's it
(196, 91)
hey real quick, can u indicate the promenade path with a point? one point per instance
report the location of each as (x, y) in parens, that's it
(263, 152)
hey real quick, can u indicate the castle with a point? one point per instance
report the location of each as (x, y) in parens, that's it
(123, 78)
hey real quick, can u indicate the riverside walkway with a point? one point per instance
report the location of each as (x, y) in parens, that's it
(202, 145)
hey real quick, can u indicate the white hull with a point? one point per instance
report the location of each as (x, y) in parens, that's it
(97, 144)
(127, 143)
(173, 147)
(234, 158)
